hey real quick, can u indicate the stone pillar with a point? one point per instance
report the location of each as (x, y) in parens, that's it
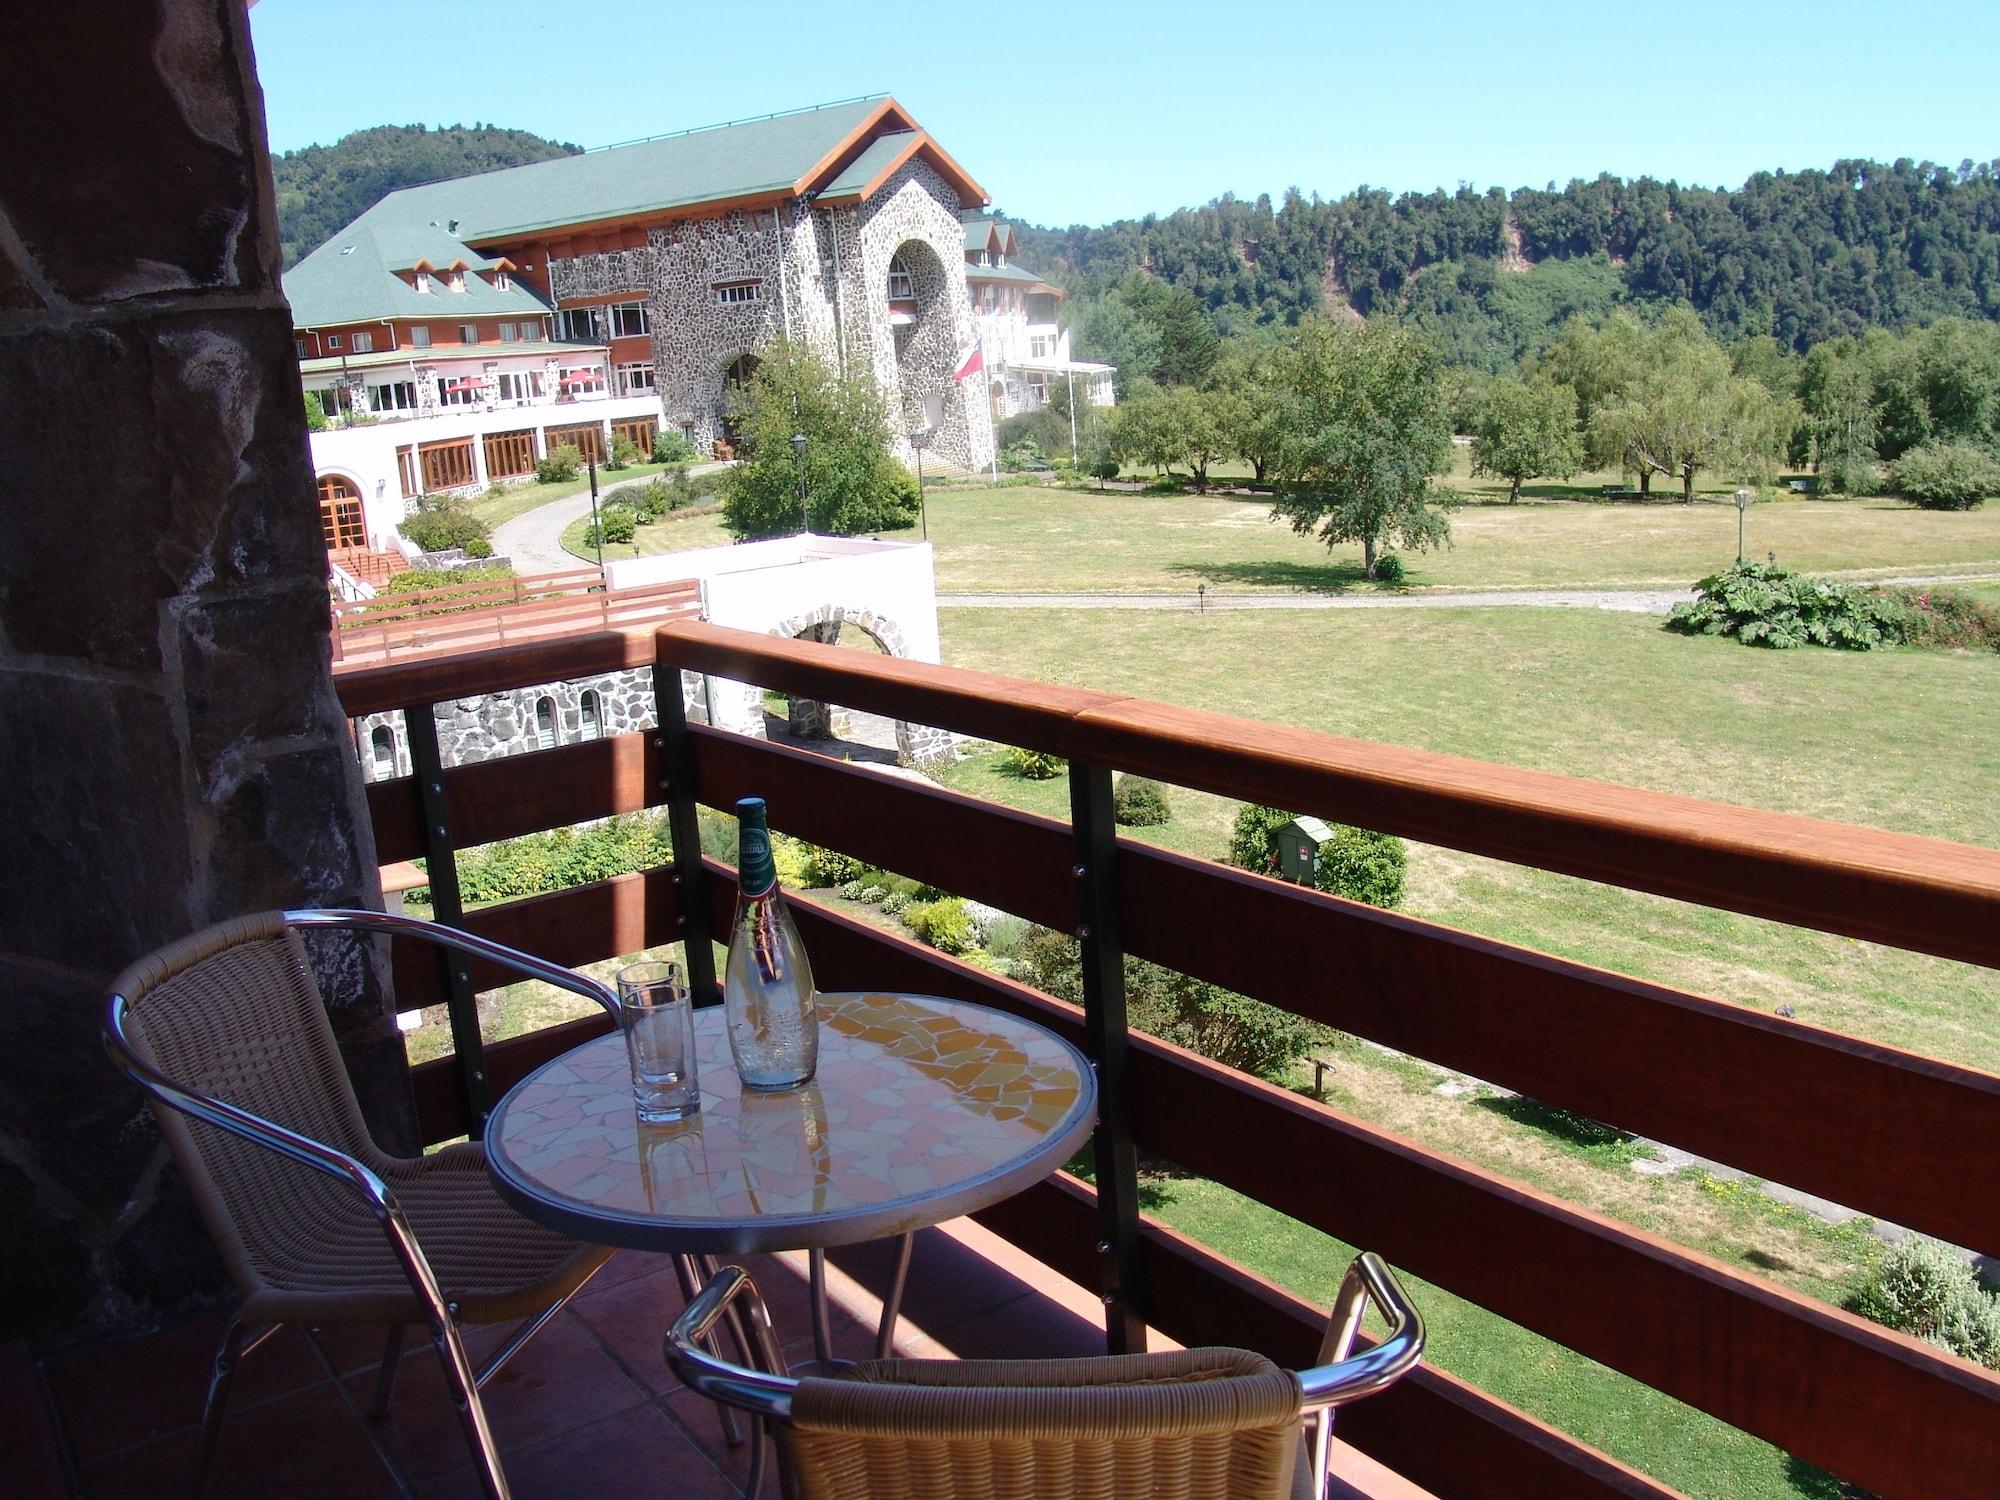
(170, 743)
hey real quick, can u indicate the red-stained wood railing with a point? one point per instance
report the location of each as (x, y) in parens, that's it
(1901, 1136)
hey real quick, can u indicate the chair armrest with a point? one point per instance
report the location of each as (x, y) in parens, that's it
(765, 1393)
(1342, 1376)
(359, 919)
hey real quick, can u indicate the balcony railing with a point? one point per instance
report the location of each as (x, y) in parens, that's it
(1902, 1136)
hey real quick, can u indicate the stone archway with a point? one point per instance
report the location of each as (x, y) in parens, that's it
(922, 325)
(917, 745)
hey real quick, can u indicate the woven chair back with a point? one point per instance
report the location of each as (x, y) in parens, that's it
(1199, 1424)
(233, 1013)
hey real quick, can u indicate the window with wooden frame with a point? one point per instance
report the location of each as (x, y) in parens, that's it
(446, 465)
(586, 437)
(406, 471)
(639, 431)
(340, 513)
(510, 454)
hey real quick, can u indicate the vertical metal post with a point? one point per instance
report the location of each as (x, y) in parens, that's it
(676, 750)
(1099, 932)
(475, 1094)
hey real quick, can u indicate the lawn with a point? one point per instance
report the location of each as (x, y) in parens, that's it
(518, 500)
(1027, 540)
(1893, 739)
(669, 534)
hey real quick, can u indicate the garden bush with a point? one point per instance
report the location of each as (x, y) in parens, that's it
(1946, 618)
(439, 523)
(1927, 1290)
(1139, 803)
(655, 500)
(565, 461)
(1353, 862)
(672, 448)
(1762, 604)
(1032, 765)
(826, 867)
(945, 924)
(1945, 476)
(416, 580)
(624, 453)
(1232, 1029)
(617, 523)
(1389, 568)
(1361, 865)
(537, 863)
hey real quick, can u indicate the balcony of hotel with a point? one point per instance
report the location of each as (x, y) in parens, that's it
(1902, 1137)
(179, 753)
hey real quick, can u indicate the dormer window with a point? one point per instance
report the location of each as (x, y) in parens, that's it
(901, 288)
(1000, 259)
(455, 280)
(423, 281)
(985, 259)
(502, 281)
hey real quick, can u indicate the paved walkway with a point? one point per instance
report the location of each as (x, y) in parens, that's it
(1631, 601)
(534, 541)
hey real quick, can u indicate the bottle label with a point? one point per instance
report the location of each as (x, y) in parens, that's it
(755, 869)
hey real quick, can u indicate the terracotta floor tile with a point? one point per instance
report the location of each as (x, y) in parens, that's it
(562, 1379)
(631, 1317)
(636, 1452)
(302, 1447)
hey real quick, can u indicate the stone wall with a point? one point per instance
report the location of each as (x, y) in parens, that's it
(792, 252)
(170, 742)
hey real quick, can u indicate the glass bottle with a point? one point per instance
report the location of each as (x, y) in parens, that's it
(767, 986)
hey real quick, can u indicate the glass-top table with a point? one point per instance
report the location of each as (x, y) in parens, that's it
(922, 1109)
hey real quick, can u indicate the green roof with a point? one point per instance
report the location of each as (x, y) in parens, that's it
(351, 278)
(881, 151)
(1006, 273)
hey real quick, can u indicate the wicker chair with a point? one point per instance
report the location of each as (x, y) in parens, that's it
(226, 1033)
(1195, 1424)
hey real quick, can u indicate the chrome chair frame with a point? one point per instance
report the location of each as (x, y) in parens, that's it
(1341, 1376)
(464, 1380)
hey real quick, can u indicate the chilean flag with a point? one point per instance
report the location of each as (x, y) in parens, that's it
(970, 361)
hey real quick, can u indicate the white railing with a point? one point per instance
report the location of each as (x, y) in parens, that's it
(349, 588)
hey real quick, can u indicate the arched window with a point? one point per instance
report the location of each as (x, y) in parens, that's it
(901, 287)
(382, 750)
(545, 723)
(587, 710)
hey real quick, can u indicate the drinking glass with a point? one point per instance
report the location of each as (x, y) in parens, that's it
(658, 1021)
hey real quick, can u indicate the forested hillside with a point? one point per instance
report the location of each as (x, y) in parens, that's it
(1802, 257)
(321, 188)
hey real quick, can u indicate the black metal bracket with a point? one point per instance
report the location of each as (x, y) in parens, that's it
(1100, 936)
(475, 1093)
(675, 747)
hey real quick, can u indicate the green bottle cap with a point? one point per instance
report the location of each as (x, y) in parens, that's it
(756, 871)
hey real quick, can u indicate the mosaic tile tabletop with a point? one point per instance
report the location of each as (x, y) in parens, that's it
(922, 1109)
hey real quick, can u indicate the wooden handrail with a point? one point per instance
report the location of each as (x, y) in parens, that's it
(1925, 894)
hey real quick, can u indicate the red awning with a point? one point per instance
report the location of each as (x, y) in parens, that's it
(463, 383)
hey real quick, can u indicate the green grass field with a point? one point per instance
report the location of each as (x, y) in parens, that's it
(519, 499)
(1015, 540)
(664, 535)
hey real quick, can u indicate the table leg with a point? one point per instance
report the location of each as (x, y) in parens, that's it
(892, 1305)
(822, 1323)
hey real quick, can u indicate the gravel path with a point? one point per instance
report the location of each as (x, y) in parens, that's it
(534, 541)
(1630, 601)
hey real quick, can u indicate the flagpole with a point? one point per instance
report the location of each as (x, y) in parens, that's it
(986, 387)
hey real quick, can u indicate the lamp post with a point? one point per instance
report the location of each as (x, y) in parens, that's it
(918, 437)
(597, 523)
(799, 452)
(1743, 499)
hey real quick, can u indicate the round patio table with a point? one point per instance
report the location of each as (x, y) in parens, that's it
(922, 1109)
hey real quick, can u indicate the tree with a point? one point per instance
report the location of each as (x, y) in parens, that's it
(1833, 392)
(1599, 362)
(1525, 430)
(1365, 432)
(1357, 863)
(1194, 435)
(1247, 404)
(1188, 342)
(852, 483)
(1685, 412)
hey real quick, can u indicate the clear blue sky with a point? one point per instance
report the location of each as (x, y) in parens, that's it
(1088, 111)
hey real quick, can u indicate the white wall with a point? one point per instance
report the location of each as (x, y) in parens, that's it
(366, 455)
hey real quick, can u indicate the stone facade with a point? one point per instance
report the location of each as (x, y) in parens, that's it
(820, 274)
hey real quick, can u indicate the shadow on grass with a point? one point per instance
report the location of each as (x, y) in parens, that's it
(1816, 1484)
(1580, 1133)
(1310, 578)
